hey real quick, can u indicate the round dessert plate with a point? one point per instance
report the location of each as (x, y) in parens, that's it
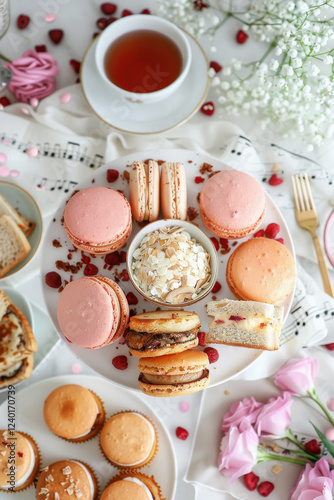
(20, 302)
(22, 201)
(233, 360)
(29, 418)
(141, 118)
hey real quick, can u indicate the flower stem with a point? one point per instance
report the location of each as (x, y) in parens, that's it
(314, 396)
(290, 436)
(5, 58)
(263, 456)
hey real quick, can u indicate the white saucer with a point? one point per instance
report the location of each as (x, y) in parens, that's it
(146, 118)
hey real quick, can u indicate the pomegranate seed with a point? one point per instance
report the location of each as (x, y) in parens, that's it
(199, 5)
(53, 279)
(112, 175)
(272, 230)
(330, 347)
(199, 179)
(75, 65)
(259, 233)
(56, 36)
(216, 66)
(208, 108)
(313, 447)
(251, 480)
(241, 36)
(224, 243)
(215, 242)
(126, 12)
(123, 256)
(108, 8)
(41, 48)
(212, 354)
(181, 433)
(90, 270)
(201, 339)
(22, 21)
(281, 240)
(274, 180)
(102, 23)
(265, 488)
(112, 259)
(132, 299)
(120, 362)
(146, 11)
(236, 318)
(4, 101)
(124, 275)
(217, 286)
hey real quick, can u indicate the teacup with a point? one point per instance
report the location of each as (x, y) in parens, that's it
(148, 79)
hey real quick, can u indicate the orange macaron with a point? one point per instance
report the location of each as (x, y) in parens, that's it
(261, 269)
(132, 485)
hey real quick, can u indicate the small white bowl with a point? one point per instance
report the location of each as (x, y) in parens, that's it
(195, 233)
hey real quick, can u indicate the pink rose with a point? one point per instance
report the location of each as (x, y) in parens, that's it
(274, 418)
(33, 75)
(314, 483)
(247, 409)
(297, 376)
(238, 451)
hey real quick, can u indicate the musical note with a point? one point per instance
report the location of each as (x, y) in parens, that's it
(241, 145)
(72, 150)
(97, 162)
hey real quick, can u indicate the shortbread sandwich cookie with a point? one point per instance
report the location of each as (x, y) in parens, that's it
(20, 449)
(14, 245)
(92, 312)
(74, 413)
(245, 323)
(67, 480)
(98, 220)
(173, 191)
(158, 333)
(132, 485)
(261, 269)
(144, 190)
(175, 374)
(129, 440)
(232, 204)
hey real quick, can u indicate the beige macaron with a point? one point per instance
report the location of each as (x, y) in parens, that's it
(174, 374)
(132, 485)
(173, 191)
(145, 190)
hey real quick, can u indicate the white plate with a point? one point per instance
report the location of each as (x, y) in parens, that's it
(233, 360)
(146, 118)
(27, 206)
(21, 303)
(29, 418)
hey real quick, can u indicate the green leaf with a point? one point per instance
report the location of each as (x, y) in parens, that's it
(328, 444)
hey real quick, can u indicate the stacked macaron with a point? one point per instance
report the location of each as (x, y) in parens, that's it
(134, 485)
(97, 220)
(147, 188)
(92, 312)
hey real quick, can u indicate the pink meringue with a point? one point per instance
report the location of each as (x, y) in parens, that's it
(33, 75)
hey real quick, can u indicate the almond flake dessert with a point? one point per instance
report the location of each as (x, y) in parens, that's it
(171, 266)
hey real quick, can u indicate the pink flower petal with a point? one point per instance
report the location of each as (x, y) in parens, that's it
(330, 404)
(65, 97)
(32, 152)
(34, 102)
(49, 18)
(330, 434)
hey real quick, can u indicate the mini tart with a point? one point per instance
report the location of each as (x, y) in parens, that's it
(69, 479)
(129, 440)
(27, 460)
(74, 413)
(132, 485)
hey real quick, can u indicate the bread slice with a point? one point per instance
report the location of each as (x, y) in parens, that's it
(21, 370)
(4, 303)
(245, 323)
(17, 338)
(14, 245)
(24, 223)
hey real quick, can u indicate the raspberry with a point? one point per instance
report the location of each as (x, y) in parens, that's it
(112, 20)
(145, 11)
(251, 480)
(22, 21)
(123, 256)
(40, 48)
(124, 275)
(90, 270)
(102, 23)
(126, 12)
(56, 36)
(108, 8)
(217, 286)
(4, 101)
(120, 362)
(20, 454)
(132, 299)
(265, 488)
(274, 180)
(216, 66)
(224, 243)
(201, 339)
(241, 36)
(112, 175)
(212, 354)
(181, 433)
(53, 279)
(259, 233)
(272, 230)
(208, 108)
(330, 347)
(313, 447)
(112, 259)
(75, 65)
(280, 240)
(85, 259)
(236, 318)
(215, 242)
(199, 179)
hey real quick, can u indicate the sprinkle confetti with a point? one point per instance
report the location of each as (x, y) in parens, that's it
(76, 368)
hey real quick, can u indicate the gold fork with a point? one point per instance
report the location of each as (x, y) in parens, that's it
(307, 218)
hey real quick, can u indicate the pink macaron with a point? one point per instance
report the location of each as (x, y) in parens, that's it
(92, 312)
(98, 220)
(173, 191)
(144, 190)
(232, 204)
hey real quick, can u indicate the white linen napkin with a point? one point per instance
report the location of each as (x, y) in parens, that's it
(73, 143)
